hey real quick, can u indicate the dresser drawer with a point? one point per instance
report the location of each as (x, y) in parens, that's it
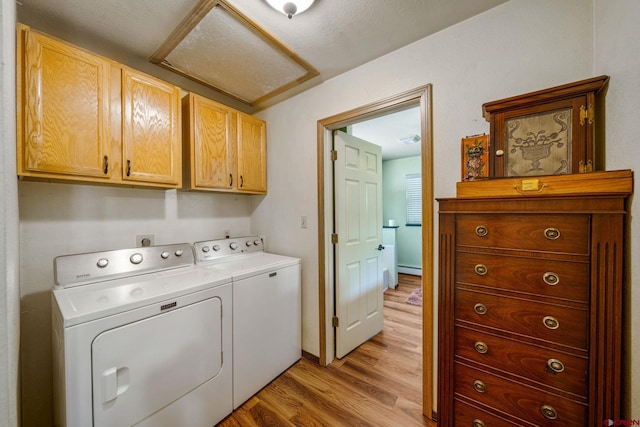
(521, 401)
(556, 369)
(470, 416)
(548, 322)
(537, 232)
(558, 279)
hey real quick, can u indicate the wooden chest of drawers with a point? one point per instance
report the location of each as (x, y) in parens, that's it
(530, 290)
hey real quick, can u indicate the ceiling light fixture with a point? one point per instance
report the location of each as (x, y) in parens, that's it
(409, 139)
(290, 7)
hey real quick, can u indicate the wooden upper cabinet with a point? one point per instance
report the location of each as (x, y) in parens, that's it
(82, 117)
(151, 144)
(224, 149)
(63, 110)
(209, 146)
(252, 154)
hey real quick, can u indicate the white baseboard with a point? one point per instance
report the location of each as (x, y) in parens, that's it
(405, 269)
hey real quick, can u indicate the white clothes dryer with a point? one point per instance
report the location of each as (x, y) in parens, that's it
(267, 321)
(141, 337)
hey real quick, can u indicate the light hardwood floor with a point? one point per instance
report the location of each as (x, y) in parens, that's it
(377, 384)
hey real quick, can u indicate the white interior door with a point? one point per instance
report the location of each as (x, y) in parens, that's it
(358, 223)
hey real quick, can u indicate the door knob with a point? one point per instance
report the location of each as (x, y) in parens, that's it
(380, 247)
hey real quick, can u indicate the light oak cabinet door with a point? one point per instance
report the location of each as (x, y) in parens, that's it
(151, 145)
(252, 154)
(224, 149)
(64, 107)
(208, 137)
(81, 117)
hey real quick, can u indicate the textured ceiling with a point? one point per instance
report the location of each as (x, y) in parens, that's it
(333, 36)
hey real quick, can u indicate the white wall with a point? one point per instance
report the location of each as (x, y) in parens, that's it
(617, 54)
(58, 219)
(9, 292)
(514, 48)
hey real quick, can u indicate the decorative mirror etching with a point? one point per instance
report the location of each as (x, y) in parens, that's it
(538, 144)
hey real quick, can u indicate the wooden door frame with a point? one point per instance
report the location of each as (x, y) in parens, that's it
(421, 96)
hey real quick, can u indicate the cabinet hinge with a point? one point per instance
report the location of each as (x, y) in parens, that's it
(585, 168)
(334, 238)
(334, 155)
(335, 322)
(586, 114)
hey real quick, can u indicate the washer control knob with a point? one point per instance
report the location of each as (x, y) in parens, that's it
(205, 249)
(136, 258)
(256, 242)
(249, 243)
(164, 255)
(233, 246)
(216, 248)
(179, 252)
(102, 262)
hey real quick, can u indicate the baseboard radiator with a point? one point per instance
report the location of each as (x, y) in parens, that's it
(409, 269)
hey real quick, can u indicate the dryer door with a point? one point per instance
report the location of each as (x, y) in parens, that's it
(142, 367)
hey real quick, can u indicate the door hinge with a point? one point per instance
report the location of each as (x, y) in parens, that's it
(335, 322)
(334, 238)
(334, 155)
(586, 114)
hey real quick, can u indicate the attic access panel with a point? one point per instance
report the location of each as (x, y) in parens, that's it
(217, 46)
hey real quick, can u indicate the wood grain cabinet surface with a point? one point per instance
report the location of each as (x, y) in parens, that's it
(82, 117)
(529, 320)
(151, 139)
(224, 149)
(63, 110)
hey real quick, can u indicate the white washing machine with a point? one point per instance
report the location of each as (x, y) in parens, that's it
(141, 337)
(267, 323)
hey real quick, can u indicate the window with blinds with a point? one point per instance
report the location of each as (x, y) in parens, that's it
(414, 199)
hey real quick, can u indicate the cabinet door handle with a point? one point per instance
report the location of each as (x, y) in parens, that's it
(230, 180)
(106, 165)
(478, 423)
(241, 181)
(479, 386)
(552, 233)
(482, 231)
(128, 167)
(480, 269)
(550, 322)
(550, 278)
(549, 412)
(480, 308)
(554, 366)
(481, 347)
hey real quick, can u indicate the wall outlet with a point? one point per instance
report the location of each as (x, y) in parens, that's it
(143, 240)
(227, 234)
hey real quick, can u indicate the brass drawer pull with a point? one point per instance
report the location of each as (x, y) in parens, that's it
(554, 366)
(478, 423)
(550, 322)
(480, 269)
(481, 347)
(552, 233)
(480, 308)
(550, 278)
(482, 231)
(479, 386)
(549, 412)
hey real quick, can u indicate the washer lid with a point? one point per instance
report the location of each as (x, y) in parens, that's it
(84, 303)
(252, 264)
